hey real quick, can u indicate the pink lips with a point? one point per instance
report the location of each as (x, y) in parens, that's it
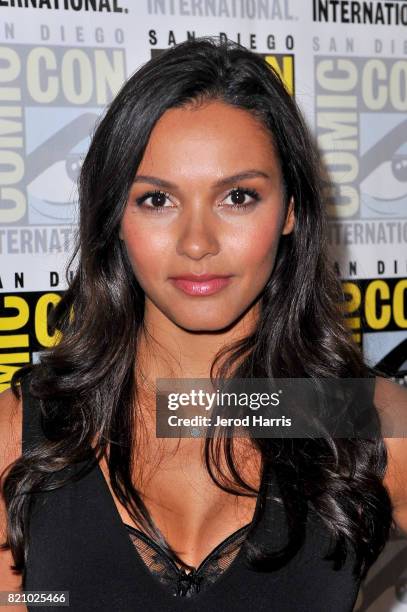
(205, 284)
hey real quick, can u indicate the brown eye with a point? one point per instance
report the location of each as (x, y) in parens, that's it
(157, 200)
(238, 196)
(242, 198)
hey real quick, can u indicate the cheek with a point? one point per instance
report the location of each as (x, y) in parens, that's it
(147, 250)
(256, 244)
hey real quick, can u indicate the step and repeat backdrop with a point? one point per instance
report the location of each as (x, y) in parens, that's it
(345, 61)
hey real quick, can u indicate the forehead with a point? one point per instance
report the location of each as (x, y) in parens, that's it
(212, 136)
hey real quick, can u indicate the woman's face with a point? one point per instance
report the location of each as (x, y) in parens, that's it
(207, 199)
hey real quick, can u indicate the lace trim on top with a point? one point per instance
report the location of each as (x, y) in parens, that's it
(177, 580)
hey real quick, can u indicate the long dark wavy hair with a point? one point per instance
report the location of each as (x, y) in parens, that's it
(86, 383)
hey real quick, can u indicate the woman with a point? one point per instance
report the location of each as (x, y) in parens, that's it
(201, 167)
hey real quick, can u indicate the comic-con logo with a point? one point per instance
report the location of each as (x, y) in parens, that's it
(361, 128)
(361, 125)
(50, 97)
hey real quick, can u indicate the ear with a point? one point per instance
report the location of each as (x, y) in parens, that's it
(290, 218)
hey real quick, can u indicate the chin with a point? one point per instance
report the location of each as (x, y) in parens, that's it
(204, 323)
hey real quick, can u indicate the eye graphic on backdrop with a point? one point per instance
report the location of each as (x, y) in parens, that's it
(388, 182)
(53, 169)
(383, 174)
(54, 188)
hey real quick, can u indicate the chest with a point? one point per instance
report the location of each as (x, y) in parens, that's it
(192, 513)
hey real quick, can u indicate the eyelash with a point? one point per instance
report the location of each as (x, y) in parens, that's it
(159, 209)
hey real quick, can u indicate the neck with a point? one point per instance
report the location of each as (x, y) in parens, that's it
(166, 350)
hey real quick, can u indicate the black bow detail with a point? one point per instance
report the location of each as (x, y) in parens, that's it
(188, 584)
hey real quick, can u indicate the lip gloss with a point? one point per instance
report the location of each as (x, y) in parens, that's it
(200, 288)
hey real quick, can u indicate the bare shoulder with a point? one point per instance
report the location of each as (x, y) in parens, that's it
(10, 427)
(10, 450)
(10, 419)
(391, 402)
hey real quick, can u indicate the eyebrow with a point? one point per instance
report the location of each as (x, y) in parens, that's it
(228, 180)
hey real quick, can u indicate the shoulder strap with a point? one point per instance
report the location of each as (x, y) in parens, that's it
(31, 429)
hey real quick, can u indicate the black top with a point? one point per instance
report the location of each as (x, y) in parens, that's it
(79, 543)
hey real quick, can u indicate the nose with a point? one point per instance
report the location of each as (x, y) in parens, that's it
(198, 233)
